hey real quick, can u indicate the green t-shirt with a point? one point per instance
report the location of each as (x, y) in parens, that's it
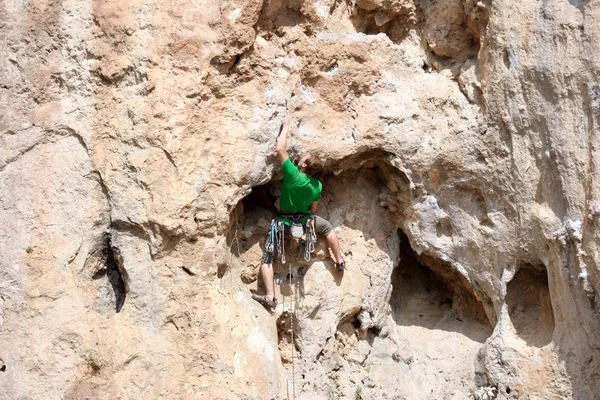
(298, 191)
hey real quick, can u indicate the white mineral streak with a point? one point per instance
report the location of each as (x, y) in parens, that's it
(457, 143)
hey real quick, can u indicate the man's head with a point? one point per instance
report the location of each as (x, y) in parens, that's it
(307, 166)
(303, 162)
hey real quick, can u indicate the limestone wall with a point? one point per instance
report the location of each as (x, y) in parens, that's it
(457, 142)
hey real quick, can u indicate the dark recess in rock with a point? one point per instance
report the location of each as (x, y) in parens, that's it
(426, 290)
(113, 273)
(529, 305)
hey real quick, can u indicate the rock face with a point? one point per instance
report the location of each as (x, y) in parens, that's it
(457, 142)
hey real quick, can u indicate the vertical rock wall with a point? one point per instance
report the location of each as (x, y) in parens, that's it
(457, 143)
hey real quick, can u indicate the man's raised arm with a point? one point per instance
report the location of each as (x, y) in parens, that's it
(282, 139)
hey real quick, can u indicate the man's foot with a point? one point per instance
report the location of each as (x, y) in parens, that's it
(271, 304)
(340, 266)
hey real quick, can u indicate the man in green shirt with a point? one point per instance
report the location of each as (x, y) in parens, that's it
(300, 195)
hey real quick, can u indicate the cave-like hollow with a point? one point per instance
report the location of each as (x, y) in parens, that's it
(253, 214)
(529, 304)
(433, 306)
(430, 293)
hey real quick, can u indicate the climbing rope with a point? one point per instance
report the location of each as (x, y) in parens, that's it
(292, 293)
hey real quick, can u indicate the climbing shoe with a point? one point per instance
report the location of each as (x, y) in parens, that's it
(340, 266)
(271, 304)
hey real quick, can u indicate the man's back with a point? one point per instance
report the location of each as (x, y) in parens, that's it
(299, 191)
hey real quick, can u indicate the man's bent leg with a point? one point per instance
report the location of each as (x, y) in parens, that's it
(324, 228)
(334, 244)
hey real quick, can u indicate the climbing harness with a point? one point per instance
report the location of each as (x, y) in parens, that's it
(307, 233)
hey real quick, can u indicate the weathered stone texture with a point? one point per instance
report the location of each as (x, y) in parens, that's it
(457, 142)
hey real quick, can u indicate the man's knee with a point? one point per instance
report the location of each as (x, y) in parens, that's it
(323, 227)
(268, 258)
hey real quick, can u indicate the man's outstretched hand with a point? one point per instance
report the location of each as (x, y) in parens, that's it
(285, 125)
(282, 138)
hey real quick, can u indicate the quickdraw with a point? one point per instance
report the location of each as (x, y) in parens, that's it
(272, 241)
(307, 232)
(281, 248)
(310, 238)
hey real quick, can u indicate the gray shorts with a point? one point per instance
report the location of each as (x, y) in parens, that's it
(322, 226)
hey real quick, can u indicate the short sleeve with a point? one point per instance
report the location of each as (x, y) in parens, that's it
(290, 172)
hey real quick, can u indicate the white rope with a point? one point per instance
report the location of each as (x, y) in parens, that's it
(292, 293)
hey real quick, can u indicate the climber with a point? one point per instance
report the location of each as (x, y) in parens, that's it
(299, 198)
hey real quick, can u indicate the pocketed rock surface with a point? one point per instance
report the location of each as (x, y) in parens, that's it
(457, 142)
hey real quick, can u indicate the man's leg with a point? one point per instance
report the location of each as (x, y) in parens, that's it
(334, 244)
(325, 228)
(267, 275)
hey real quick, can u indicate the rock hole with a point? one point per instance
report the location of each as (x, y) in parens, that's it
(507, 390)
(529, 304)
(222, 269)
(394, 23)
(430, 293)
(261, 197)
(375, 331)
(103, 271)
(225, 64)
(275, 16)
(2, 366)
(444, 26)
(236, 61)
(114, 272)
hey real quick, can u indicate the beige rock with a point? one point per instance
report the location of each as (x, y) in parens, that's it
(457, 145)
